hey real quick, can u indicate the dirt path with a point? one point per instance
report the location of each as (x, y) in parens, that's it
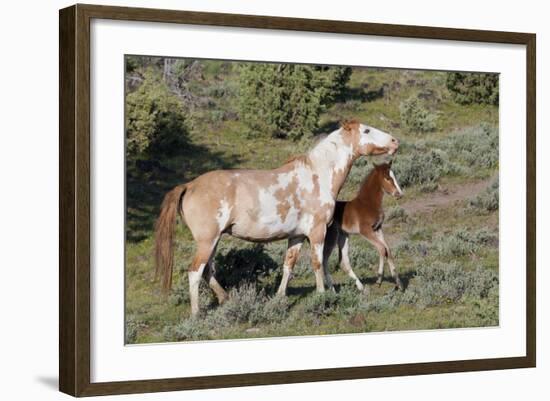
(444, 197)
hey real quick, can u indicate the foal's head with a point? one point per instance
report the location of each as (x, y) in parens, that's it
(369, 140)
(387, 179)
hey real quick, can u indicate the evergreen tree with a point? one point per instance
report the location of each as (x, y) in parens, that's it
(286, 100)
(468, 88)
(155, 120)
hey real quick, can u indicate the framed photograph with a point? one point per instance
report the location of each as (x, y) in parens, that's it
(249, 200)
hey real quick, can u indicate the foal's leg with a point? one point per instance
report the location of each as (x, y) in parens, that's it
(331, 238)
(393, 270)
(345, 265)
(317, 242)
(371, 236)
(292, 253)
(196, 270)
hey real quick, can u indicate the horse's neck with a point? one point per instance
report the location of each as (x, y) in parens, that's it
(371, 192)
(339, 180)
(333, 159)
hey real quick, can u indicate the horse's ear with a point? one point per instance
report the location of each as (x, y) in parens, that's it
(345, 125)
(349, 125)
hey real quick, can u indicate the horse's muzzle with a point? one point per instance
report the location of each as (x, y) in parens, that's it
(393, 146)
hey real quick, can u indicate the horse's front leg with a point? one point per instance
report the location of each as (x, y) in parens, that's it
(202, 258)
(317, 241)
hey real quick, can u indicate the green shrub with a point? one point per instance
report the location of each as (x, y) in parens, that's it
(486, 309)
(243, 303)
(421, 167)
(414, 248)
(439, 283)
(133, 326)
(488, 200)
(155, 119)
(350, 299)
(245, 306)
(468, 88)
(416, 117)
(396, 213)
(286, 100)
(474, 148)
(472, 151)
(194, 328)
(362, 255)
(321, 304)
(463, 242)
(273, 310)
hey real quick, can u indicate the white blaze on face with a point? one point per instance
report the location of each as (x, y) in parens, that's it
(374, 136)
(223, 214)
(395, 183)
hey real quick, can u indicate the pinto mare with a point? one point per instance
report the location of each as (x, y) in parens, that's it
(295, 201)
(363, 215)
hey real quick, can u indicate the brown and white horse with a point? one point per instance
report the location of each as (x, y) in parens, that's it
(363, 215)
(295, 201)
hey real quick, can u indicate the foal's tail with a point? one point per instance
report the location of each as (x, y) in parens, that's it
(164, 236)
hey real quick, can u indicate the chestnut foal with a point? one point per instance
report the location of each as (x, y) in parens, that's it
(363, 215)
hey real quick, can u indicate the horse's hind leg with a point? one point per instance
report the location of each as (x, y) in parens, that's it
(292, 252)
(389, 256)
(196, 270)
(345, 265)
(221, 294)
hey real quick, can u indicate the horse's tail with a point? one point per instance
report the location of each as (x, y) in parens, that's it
(164, 236)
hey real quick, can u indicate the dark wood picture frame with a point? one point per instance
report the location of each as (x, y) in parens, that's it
(74, 202)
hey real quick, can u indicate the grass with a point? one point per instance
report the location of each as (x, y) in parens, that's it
(447, 258)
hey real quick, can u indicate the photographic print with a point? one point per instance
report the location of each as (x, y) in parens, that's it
(273, 200)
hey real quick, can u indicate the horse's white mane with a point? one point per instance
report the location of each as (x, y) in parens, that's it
(325, 146)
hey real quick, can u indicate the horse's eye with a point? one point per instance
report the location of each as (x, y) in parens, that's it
(367, 131)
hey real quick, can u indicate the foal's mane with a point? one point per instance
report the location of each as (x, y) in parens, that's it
(371, 173)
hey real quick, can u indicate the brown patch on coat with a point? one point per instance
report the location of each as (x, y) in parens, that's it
(282, 195)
